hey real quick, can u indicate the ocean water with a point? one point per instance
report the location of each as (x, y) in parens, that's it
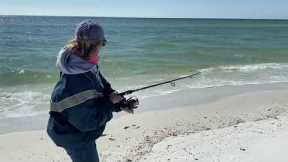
(140, 52)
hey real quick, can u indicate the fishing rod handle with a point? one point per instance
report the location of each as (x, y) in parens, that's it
(126, 92)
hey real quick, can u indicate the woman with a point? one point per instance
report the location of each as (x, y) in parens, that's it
(82, 101)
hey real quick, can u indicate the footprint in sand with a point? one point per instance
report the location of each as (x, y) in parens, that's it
(134, 126)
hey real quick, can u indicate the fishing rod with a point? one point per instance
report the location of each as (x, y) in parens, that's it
(154, 85)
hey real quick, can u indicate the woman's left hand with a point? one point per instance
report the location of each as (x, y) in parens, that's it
(130, 104)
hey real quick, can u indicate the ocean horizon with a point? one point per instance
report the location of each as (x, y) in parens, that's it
(131, 17)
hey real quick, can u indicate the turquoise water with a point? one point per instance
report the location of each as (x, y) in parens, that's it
(140, 52)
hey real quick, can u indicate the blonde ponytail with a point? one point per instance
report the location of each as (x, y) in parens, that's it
(72, 44)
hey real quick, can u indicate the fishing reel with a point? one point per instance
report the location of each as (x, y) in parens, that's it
(129, 104)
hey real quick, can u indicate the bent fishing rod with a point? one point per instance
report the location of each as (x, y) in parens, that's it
(154, 85)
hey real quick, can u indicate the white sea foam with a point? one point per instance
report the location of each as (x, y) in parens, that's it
(27, 101)
(242, 75)
(248, 68)
(23, 103)
(234, 75)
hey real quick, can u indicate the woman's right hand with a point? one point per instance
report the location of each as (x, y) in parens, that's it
(115, 97)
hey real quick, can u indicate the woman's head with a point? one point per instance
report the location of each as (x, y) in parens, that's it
(89, 38)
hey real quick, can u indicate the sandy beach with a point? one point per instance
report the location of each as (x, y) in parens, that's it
(244, 127)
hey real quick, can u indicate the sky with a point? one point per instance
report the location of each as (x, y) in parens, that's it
(255, 9)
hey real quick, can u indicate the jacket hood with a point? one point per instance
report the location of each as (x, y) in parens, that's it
(69, 63)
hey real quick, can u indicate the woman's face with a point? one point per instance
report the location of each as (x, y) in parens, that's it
(94, 57)
(96, 50)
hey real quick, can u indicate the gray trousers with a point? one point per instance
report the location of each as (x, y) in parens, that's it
(86, 153)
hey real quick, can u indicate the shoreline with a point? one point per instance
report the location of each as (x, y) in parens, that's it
(138, 136)
(169, 101)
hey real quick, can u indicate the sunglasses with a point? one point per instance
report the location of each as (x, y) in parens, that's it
(104, 42)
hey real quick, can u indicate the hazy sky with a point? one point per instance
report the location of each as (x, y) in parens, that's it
(149, 8)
